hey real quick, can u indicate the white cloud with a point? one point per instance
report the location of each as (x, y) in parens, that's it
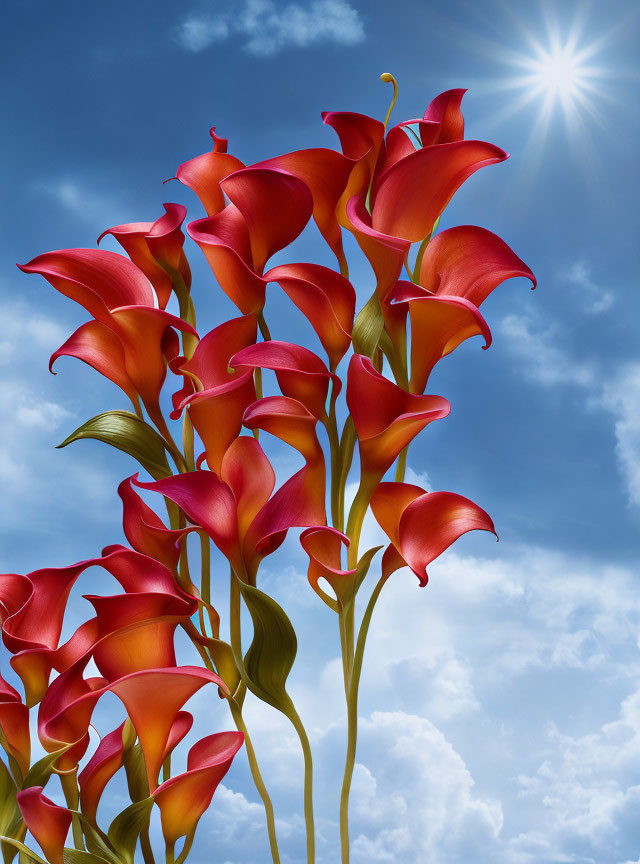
(542, 360)
(267, 27)
(621, 396)
(593, 299)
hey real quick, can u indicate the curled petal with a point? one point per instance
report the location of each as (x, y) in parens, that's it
(102, 766)
(141, 331)
(224, 240)
(324, 545)
(204, 173)
(386, 417)
(438, 325)
(301, 374)
(325, 298)
(208, 502)
(99, 347)
(153, 244)
(183, 799)
(361, 138)
(217, 413)
(209, 364)
(325, 173)
(427, 524)
(445, 122)
(298, 503)
(386, 254)
(288, 420)
(145, 531)
(249, 475)
(14, 725)
(469, 262)
(48, 822)
(153, 699)
(94, 278)
(275, 204)
(413, 193)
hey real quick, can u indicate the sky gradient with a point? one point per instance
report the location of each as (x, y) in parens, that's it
(500, 705)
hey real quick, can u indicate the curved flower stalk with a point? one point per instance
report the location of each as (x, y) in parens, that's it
(388, 186)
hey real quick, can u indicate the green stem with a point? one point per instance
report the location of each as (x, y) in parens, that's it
(205, 573)
(292, 714)
(188, 843)
(236, 713)
(401, 466)
(357, 513)
(69, 785)
(415, 276)
(145, 847)
(352, 720)
(187, 441)
(169, 854)
(166, 768)
(337, 516)
(262, 324)
(347, 446)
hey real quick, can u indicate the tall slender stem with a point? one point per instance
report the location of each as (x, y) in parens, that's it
(293, 715)
(236, 713)
(352, 720)
(401, 466)
(69, 783)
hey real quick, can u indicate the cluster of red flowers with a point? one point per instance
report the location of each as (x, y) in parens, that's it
(388, 188)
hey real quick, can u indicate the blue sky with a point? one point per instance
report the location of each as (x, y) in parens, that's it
(501, 705)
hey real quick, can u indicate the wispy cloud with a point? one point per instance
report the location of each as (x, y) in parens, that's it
(266, 27)
(542, 358)
(594, 299)
(621, 396)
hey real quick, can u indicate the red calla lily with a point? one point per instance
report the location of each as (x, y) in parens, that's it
(469, 262)
(102, 766)
(386, 417)
(48, 822)
(421, 525)
(324, 545)
(325, 298)
(439, 323)
(204, 173)
(145, 531)
(14, 726)
(301, 374)
(154, 246)
(184, 798)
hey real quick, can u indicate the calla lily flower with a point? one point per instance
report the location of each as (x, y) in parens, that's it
(236, 509)
(48, 822)
(156, 249)
(216, 410)
(386, 417)
(325, 173)
(184, 798)
(439, 323)
(325, 298)
(103, 765)
(469, 262)
(421, 525)
(301, 374)
(145, 531)
(119, 296)
(204, 173)
(324, 545)
(152, 698)
(14, 726)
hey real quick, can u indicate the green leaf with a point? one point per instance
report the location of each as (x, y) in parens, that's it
(8, 804)
(136, 771)
(368, 327)
(270, 657)
(126, 827)
(225, 664)
(77, 856)
(24, 850)
(364, 563)
(126, 432)
(40, 771)
(98, 842)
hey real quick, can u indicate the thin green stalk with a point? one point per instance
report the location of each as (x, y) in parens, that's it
(145, 847)
(293, 715)
(262, 324)
(205, 573)
(401, 465)
(347, 446)
(236, 713)
(331, 425)
(352, 720)
(69, 785)
(169, 853)
(187, 442)
(166, 768)
(357, 513)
